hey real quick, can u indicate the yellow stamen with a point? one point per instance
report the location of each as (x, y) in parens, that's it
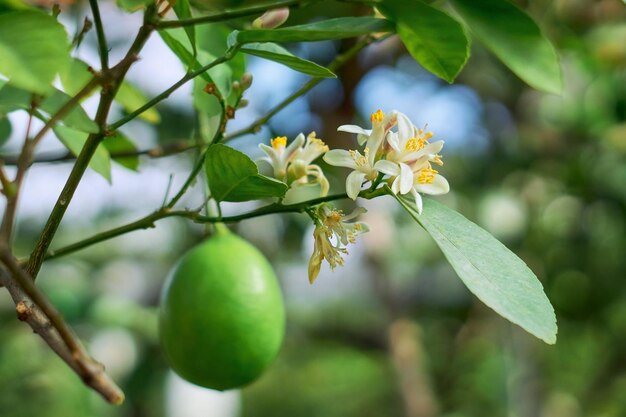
(335, 216)
(415, 144)
(360, 160)
(377, 116)
(279, 142)
(317, 142)
(427, 176)
(437, 160)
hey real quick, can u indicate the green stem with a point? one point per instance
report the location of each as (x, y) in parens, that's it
(150, 220)
(338, 62)
(165, 94)
(230, 14)
(102, 41)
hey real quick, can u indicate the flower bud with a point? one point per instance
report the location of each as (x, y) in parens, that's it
(246, 81)
(271, 19)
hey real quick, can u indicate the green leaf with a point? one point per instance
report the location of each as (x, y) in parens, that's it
(183, 11)
(131, 99)
(177, 41)
(234, 177)
(279, 54)
(338, 28)
(5, 129)
(491, 271)
(33, 49)
(75, 77)
(13, 98)
(133, 5)
(118, 144)
(76, 118)
(209, 111)
(74, 140)
(434, 39)
(515, 39)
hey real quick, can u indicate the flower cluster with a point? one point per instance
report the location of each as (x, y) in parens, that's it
(292, 164)
(405, 155)
(332, 234)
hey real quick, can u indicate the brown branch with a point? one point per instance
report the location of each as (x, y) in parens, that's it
(113, 79)
(34, 308)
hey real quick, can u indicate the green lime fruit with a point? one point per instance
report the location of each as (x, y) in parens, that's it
(222, 318)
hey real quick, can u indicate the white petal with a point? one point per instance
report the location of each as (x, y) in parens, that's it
(295, 144)
(418, 201)
(406, 178)
(361, 139)
(353, 129)
(395, 186)
(394, 141)
(434, 147)
(340, 158)
(439, 186)
(405, 128)
(353, 184)
(387, 167)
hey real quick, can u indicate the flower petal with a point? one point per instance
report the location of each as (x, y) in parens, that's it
(405, 129)
(387, 167)
(406, 178)
(418, 201)
(340, 158)
(434, 147)
(439, 186)
(353, 184)
(394, 141)
(354, 129)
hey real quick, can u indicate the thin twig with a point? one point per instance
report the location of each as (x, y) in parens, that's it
(165, 94)
(35, 309)
(230, 14)
(149, 221)
(337, 63)
(102, 41)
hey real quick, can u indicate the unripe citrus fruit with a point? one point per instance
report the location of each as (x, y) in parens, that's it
(221, 317)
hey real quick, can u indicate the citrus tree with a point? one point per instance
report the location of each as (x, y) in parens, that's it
(42, 77)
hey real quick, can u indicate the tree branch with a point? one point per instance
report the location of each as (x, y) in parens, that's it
(33, 308)
(114, 76)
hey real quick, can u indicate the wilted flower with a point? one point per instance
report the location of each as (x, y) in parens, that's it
(332, 234)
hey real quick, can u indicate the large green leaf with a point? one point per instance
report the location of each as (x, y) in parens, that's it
(277, 53)
(13, 98)
(515, 38)
(434, 39)
(33, 49)
(74, 140)
(491, 271)
(338, 28)
(232, 176)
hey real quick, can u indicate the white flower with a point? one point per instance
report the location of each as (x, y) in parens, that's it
(302, 172)
(331, 226)
(279, 154)
(362, 164)
(292, 164)
(421, 178)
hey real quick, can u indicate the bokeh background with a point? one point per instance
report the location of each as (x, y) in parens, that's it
(394, 332)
